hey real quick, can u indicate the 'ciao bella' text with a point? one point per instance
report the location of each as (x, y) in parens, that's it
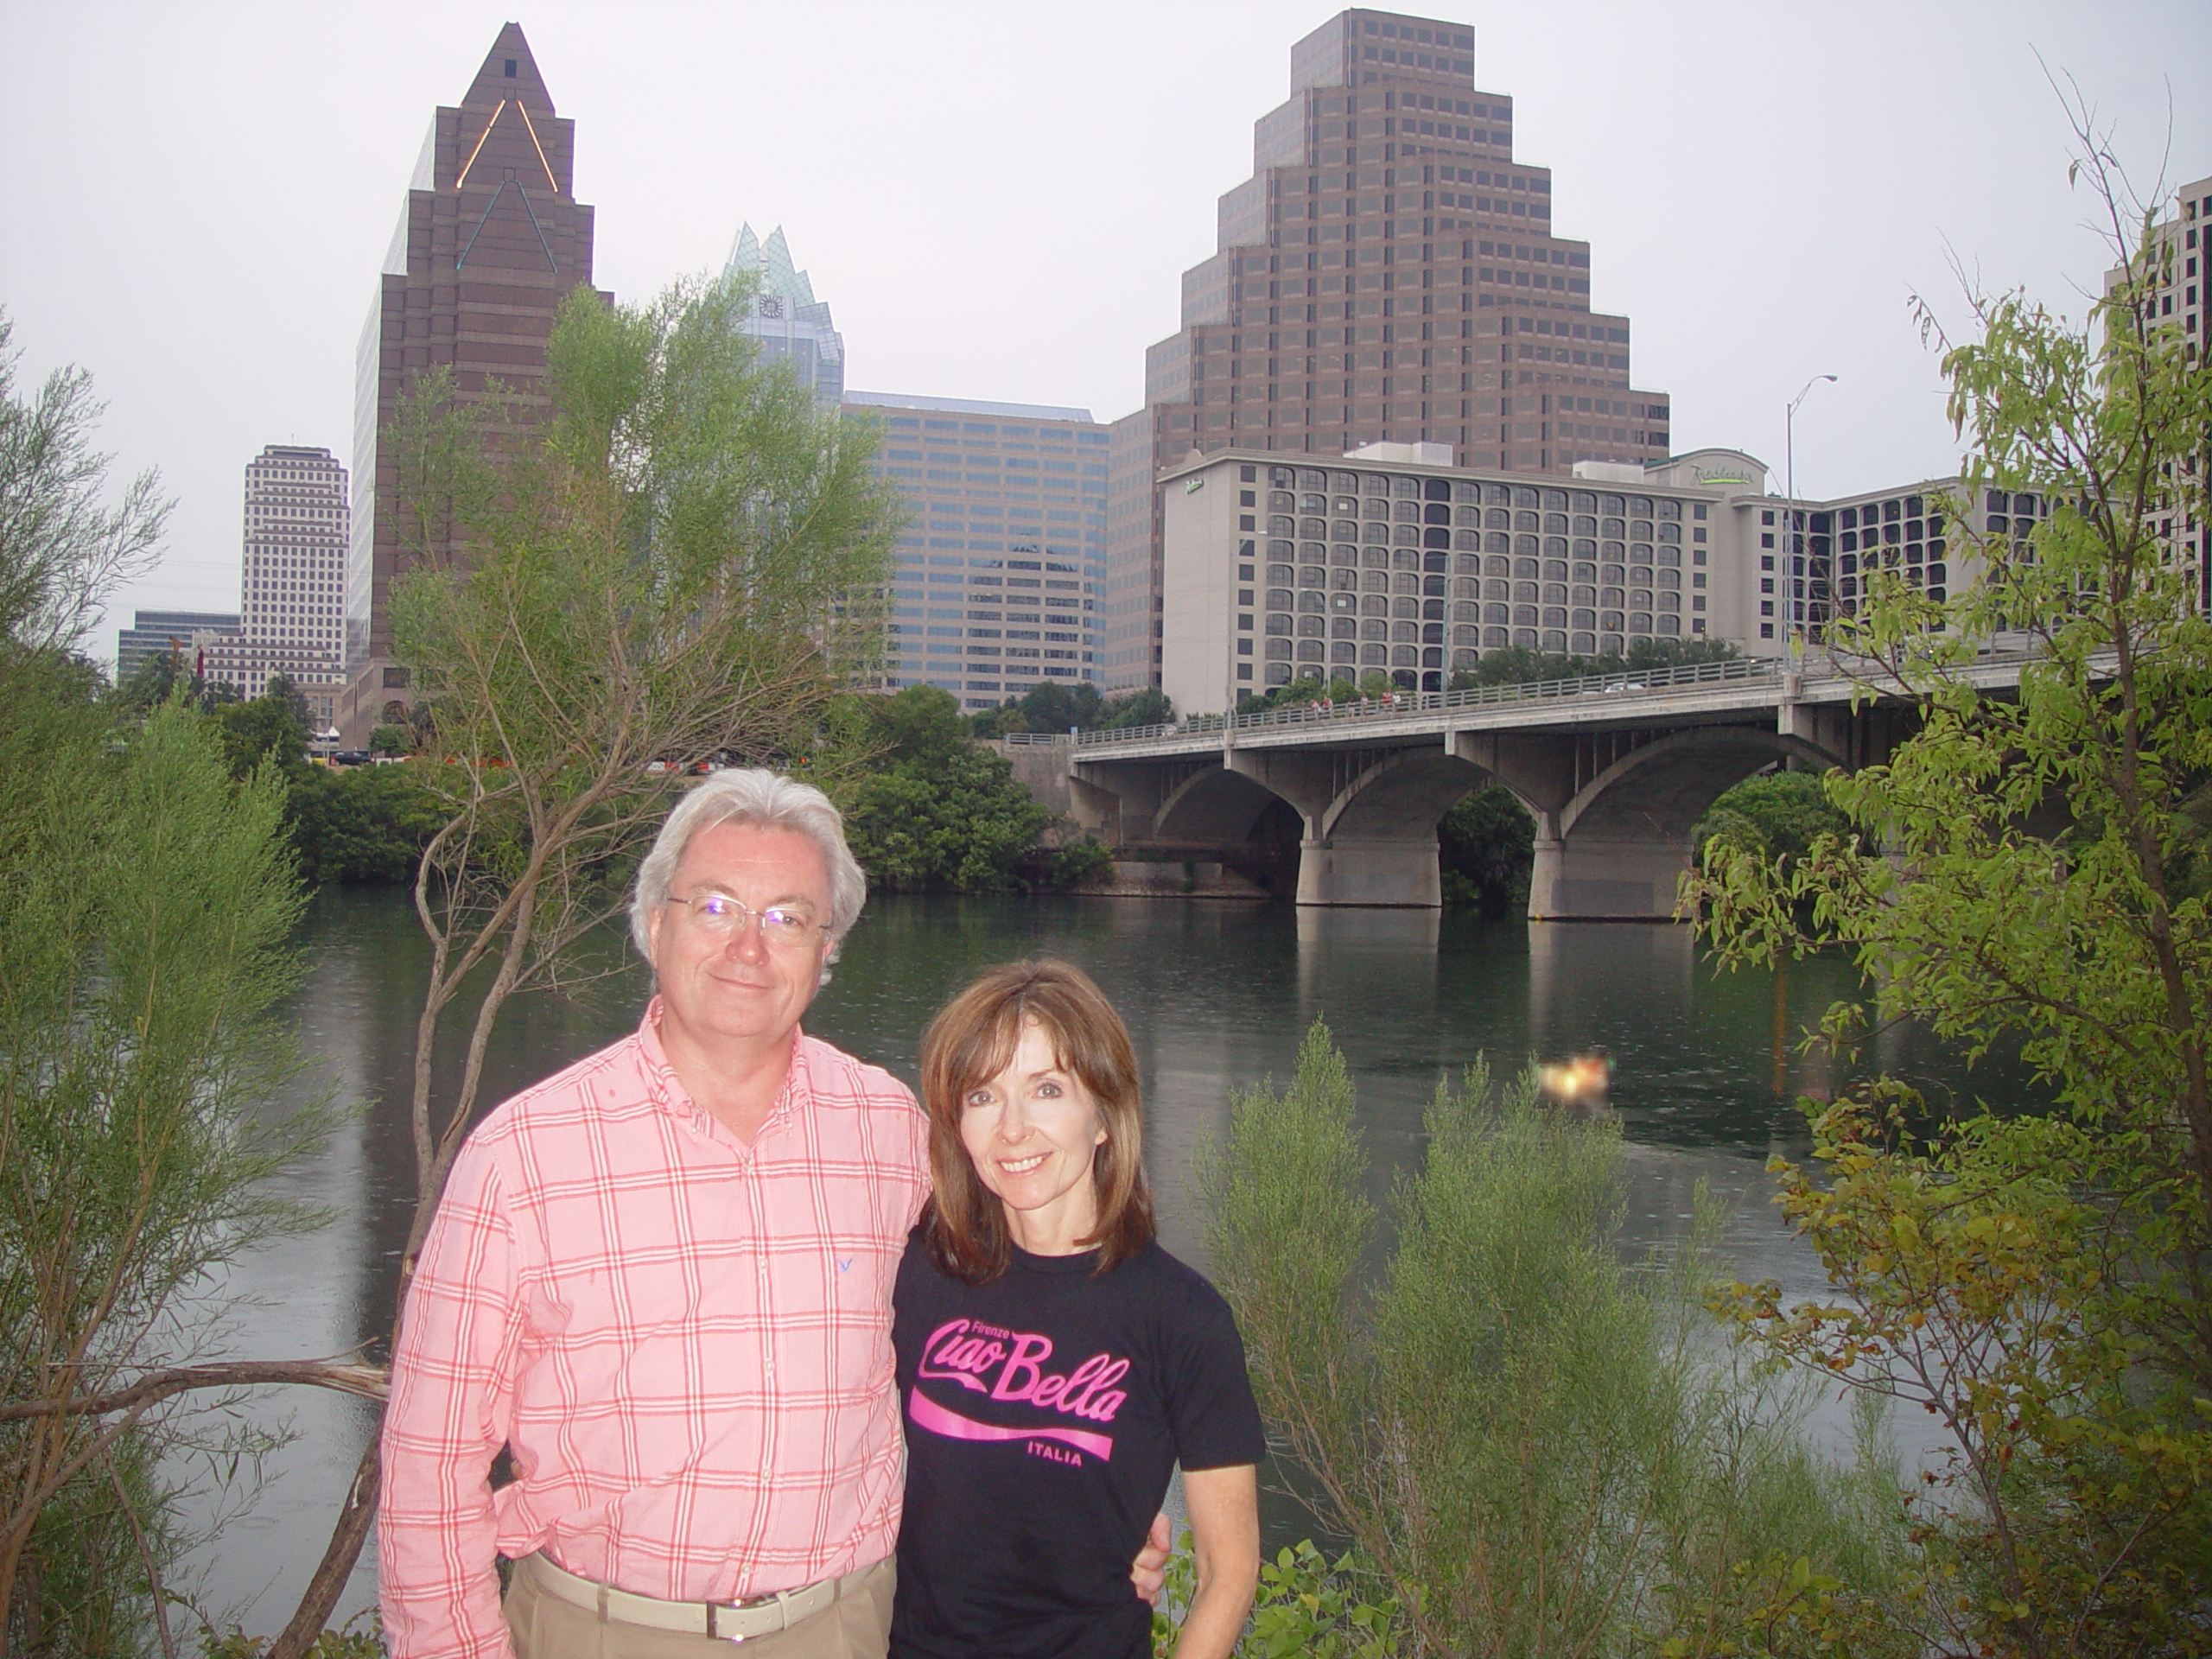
(966, 1353)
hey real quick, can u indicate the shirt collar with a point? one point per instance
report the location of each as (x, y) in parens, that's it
(667, 1091)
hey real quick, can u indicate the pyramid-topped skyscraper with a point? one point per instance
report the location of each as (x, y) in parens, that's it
(785, 317)
(490, 241)
(1392, 272)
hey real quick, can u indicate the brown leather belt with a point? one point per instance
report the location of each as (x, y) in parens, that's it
(729, 1621)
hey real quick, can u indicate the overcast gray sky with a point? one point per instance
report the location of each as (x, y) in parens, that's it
(998, 199)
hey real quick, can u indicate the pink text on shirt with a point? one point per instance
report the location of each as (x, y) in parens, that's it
(966, 1352)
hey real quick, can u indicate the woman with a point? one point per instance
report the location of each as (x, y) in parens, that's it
(1054, 1362)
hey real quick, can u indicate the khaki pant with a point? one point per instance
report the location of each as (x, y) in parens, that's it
(857, 1625)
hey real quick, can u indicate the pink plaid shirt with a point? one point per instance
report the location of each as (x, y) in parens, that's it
(685, 1342)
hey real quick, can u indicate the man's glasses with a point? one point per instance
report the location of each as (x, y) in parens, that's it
(720, 915)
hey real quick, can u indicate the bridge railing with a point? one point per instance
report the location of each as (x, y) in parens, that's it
(1410, 705)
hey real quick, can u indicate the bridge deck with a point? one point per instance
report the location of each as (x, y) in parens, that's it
(1704, 694)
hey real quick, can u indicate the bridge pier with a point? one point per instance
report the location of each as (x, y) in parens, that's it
(1589, 879)
(1370, 871)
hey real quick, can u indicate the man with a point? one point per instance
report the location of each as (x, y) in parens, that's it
(661, 1280)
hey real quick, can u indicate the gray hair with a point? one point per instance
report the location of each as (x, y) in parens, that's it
(763, 800)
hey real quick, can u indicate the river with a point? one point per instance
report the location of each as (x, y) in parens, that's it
(1216, 994)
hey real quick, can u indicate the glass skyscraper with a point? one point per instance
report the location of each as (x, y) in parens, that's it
(1002, 566)
(785, 317)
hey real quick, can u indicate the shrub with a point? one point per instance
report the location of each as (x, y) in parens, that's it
(1538, 1447)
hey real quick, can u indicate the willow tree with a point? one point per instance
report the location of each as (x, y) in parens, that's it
(2031, 870)
(146, 901)
(676, 556)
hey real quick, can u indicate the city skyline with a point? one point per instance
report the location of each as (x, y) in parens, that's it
(1765, 194)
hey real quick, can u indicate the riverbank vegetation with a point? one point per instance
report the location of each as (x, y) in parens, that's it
(1533, 1446)
(1776, 816)
(1486, 844)
(146, 906)
(1049, 706)
(2029, 870)
(927, 808)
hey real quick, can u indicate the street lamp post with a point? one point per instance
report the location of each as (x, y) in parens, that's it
(1793, 585)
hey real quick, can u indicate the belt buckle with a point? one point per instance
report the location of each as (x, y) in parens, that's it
(750, 1605)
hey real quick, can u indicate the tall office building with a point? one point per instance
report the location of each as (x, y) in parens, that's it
(1003, 569)
(292, 571)
(490, 241)
(785, 317)
(1389, 273)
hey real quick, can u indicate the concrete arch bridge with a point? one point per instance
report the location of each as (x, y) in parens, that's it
(1615, 773)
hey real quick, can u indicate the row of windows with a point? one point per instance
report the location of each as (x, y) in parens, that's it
(1379, 612)
(1050, 435)
(1530, 630)
(1340, 560)
(1344, 578)
(1313, 480)
(1556, 525)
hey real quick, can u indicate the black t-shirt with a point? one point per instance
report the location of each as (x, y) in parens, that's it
(1044, 1413)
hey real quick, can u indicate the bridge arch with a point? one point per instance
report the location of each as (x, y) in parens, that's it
(1402, 795)
(1617, 848)
(1675, 778)
(1213, 804)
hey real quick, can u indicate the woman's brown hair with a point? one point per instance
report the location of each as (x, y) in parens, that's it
(972, 1040)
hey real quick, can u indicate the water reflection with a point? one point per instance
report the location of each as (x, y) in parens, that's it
(1217, 994)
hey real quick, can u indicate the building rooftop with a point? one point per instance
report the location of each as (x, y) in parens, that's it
(969, 406)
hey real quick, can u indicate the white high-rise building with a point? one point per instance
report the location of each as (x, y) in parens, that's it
(292, 579)
(2179, 295)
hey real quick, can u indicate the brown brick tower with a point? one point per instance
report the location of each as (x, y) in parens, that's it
(1389, 273)
(491, 241)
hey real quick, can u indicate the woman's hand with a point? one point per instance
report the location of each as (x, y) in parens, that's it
(1224, 1509)
(1148, 1573)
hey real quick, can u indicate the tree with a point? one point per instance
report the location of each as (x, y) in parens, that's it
(676, 560)
(1521, 665)
(920, 725)
(1147, 705)
(1052, 706)
(1487, 846)
(1049, 706)
(1777, 815)
(62, 550)
(362, 824)
(281, 686)
(269, 727)
(930, 807)
(1521, 1435)
(2029, 871)
(146, 899)
(143, 943)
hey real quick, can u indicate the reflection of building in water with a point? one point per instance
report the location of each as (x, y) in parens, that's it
(1190, 1075)
(1582, 978)
(1348, 956)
